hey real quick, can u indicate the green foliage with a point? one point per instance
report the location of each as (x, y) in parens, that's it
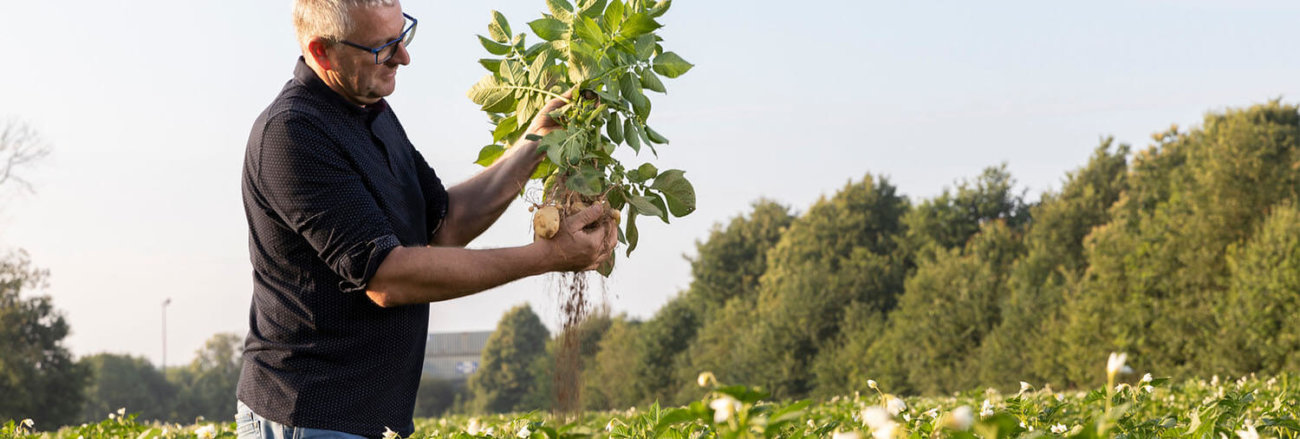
(206, 387)
(1158, 273)
(38, 378)
(438, 397)
(504, 376)
(1259, 313)
(949, 220)
(124, 381)
(1025, 345)
(599, 58)
(951, 304)
(843, 250)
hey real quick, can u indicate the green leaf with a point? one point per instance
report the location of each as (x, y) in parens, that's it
(512, 71)
(660, 8)
(631, 89)
(631, 136)
(647, 171)
(493, 47)
(614, 128)
(671, 65)
(549, 29)
(659, 203)
(490, 94)
(546, 168)
(586, 182)
(561, 9)
(504, 128)
(655, 136)
(489, 155)
(650, 81)
(581, 66)
(587, 29)
(679, 192)
(552, 144)
(645, 206)
(637, 25)
(645, 47)
(748, 395)
(499, 28)
(617, 199)
(492, 65)
(593, 9)
(631, 233)
(614, 15)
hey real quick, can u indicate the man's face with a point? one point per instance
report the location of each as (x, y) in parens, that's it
(354, 73)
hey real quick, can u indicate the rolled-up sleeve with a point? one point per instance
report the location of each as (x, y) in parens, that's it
(307, 180)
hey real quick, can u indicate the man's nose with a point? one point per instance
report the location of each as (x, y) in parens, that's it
(402, 57)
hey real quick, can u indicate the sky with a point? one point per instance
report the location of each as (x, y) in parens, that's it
(146, 106)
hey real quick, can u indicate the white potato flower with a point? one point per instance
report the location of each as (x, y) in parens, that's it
(473, 428)
(1025, 387)
(986, 410)
(1115, 363)
(875, 417)
(894, 405)
(1146, 378)
(523, 432)
(723, 408)
(390, 434)
(206, 432)
(28, 423)
(1060, 429)
(705, 378)
(962, 418)
(1248, 433)
(872, 384)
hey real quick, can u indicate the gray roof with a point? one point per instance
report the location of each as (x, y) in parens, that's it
(456, 344)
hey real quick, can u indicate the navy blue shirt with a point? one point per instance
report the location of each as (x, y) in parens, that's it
(330, 188)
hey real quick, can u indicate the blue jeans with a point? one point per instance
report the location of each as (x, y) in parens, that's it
(251, 426)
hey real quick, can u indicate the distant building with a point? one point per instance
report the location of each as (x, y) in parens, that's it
(454, 355)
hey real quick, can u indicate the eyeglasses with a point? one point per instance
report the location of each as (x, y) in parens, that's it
(386, 51)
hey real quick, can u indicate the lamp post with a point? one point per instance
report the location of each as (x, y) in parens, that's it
(166, 302)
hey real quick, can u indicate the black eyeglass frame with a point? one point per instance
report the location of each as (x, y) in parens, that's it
(405, 39)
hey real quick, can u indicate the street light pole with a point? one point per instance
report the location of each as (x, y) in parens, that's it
(166, 302)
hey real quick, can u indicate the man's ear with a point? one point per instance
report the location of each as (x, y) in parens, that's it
(316, 48)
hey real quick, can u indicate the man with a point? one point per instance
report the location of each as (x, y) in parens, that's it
(352, 234)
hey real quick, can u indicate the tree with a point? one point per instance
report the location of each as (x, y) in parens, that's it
(123, 381)
(1024, 346)
(951, 304)
(38, 378)
(20, 146)
(1158, 272)
(206, 387)
(611, 374)
(1259, 314)
(506, 373)
(843, 250)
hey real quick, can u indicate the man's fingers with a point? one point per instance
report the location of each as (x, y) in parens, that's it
(586, 217)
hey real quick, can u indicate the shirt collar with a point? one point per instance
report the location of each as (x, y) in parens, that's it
(303, 74)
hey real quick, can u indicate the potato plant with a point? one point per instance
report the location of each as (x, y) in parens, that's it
(601, 58)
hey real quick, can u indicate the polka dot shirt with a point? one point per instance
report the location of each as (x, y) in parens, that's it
(330, 188)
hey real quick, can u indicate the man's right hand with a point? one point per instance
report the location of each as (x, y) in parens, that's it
(584, 241)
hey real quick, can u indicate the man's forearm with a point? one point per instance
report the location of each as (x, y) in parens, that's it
(411, 275)
(477, 203)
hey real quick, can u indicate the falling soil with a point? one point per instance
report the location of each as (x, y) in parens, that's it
(568, 367)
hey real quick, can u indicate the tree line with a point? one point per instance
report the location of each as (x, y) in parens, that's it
(1185, 255)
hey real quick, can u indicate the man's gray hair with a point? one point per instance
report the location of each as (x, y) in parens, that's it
(331, 19)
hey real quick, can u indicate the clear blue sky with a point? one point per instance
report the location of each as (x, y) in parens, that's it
(147, 105)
